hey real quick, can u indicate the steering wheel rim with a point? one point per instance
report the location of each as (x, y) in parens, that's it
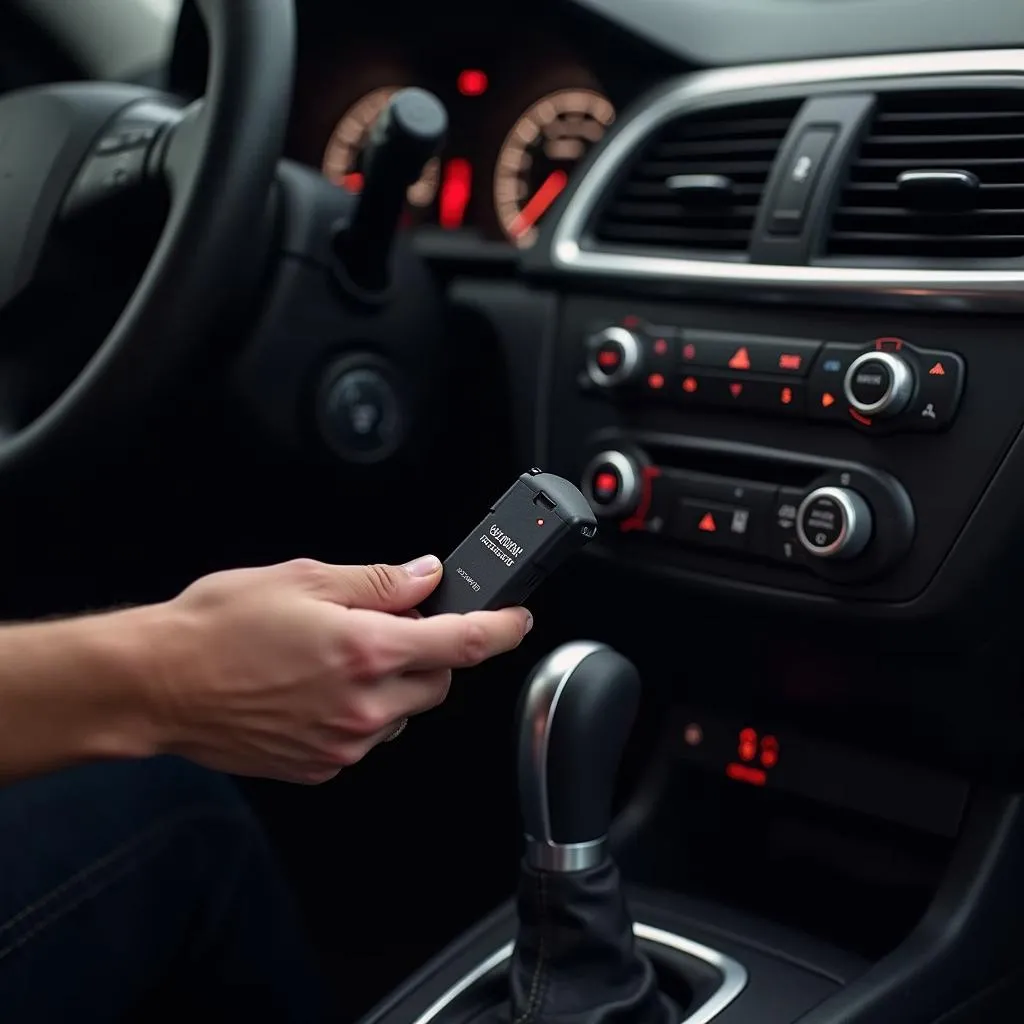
(234, 154)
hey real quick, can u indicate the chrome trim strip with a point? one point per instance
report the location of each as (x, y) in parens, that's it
(724, 85)
(734, 974)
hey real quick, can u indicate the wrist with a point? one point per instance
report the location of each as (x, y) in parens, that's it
(120, 654)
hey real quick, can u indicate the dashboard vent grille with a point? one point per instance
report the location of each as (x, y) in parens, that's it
(977, 132)
(731, 150)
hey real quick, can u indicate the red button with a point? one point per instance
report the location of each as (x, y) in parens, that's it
(606, 485)
(609, 357)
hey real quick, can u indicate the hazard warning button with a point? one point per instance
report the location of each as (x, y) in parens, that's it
(712, 525)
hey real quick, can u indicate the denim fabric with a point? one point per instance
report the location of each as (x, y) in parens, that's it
(144, 891)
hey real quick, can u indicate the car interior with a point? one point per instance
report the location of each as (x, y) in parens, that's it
(311, 278)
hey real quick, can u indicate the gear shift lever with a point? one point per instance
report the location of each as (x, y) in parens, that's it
(576, 959)
(576, 715)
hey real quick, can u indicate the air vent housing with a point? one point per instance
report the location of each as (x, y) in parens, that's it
(731, 150)
(979, 132)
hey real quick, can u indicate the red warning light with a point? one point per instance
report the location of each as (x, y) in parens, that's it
(736, 390)
(769, 751)
(744, 773)
(938, 370)
(707, 523)
(608, 359)
(790, 361)
(540, 522)
(660, 347)
(472, 82)
(606, 483)
(786, 396)
(631, 321)
(689, 351)
(456, 190)
(747, 748)
(690, 385)
(741, 360)
(827, 400)
(656, 381)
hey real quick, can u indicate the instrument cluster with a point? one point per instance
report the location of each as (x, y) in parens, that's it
(517, 129)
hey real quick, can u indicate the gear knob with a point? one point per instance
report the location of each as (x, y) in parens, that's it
(575, 716)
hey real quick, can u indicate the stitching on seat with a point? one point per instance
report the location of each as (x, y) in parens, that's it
(156, 835)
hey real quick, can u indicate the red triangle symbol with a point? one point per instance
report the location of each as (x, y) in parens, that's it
(938, 370)
(707, 523)
(741, 360)
(736, 390)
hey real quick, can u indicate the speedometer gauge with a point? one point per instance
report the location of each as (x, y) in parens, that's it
(343, 158)
(540, 152)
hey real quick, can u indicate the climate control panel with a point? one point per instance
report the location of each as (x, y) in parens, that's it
(840, 522)
(884, 386)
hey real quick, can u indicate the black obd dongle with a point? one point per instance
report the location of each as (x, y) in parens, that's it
(539, 522)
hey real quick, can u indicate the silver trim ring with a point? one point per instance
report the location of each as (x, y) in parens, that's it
(897, 394)
(629, 484)
(734, 974)
(630, 356)
(846, 530)
(565, 857)
(399, 729)
(708, 89)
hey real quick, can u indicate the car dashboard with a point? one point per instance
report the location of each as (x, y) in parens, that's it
(751, 272)
(529, 89)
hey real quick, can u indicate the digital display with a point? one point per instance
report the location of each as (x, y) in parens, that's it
(754, 754)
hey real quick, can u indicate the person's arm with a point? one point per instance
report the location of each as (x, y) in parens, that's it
(74, 691)
(291, 671)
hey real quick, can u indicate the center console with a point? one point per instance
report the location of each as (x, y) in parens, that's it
(830, 456)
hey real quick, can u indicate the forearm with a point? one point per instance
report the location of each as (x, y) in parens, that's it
(75, 691)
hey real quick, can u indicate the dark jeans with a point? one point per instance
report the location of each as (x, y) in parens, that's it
(144, 891)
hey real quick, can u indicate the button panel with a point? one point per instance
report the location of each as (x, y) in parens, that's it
(796, 378)
(843, 524)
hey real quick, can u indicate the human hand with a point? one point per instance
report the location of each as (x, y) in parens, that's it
(297, 670)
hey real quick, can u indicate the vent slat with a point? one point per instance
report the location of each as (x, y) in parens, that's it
(740, 143)
(974, 130)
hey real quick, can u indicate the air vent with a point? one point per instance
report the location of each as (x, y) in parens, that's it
(696, 184)
(940, 176)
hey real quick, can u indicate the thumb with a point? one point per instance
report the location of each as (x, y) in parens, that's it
(386, 588)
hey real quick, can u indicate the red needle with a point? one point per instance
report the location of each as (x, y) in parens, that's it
(539, 202)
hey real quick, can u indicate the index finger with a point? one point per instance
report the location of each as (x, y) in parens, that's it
(460, 641)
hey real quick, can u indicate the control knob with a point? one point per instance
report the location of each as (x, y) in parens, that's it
(612, 483)
(614, 357)
(834, 522)
(879, 384)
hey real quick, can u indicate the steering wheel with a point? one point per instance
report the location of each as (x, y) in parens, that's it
(70, 147)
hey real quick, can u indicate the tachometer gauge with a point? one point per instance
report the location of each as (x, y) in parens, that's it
(540, 152)
(342, 162)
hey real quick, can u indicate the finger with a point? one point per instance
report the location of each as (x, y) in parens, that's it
(382, 588)
(413, 693)
(457, 641)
